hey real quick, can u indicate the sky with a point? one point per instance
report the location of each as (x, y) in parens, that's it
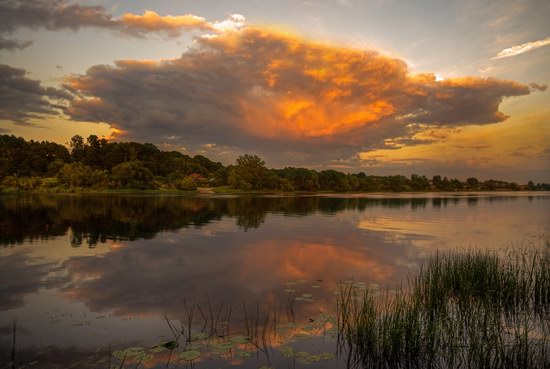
(456, 88)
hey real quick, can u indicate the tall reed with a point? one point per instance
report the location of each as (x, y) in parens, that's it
(472, 309)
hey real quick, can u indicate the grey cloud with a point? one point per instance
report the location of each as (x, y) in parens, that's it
(23, 98)
(55, 15)
(51, 15)
(463, 101)
(10, 44)
(48, 14)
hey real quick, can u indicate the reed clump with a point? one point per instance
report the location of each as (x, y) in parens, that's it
(472, 309)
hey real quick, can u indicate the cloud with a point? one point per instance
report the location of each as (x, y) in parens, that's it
(24, 98)
(55, 15)
(523, 48)
(7, 44)
(233, 23)
(52, 15)
(151, 21)
(276, 93)
(22, 276)
(536, 86)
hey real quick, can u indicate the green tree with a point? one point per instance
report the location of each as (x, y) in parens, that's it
(75, 175)
(133, 174)
(249, 173)
(78, 148)
(221, 177)
(186, 184)
(419, 183)
(332, 180)
(302, 179)
(473, 183)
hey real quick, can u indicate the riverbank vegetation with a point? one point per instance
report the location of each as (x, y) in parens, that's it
(463, 310)
(95, 164)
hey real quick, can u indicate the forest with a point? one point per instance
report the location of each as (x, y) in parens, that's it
(95, 164)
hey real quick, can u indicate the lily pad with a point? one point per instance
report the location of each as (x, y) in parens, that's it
(223, 348)
(199, 336)
(243, 354)
(147, 358)
(287, 351)
(134, 349)
(327, 356)
(158, 348)
(225, 345)
(301, 336)
(240, 339)
(193, 346)
(119, 354)
(190, 355)
(170, 345)
(129, 352)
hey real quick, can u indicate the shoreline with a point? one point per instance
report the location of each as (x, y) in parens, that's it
(217, 191)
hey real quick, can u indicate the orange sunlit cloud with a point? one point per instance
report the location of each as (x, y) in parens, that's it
(152, 21)
(260, 83)
(514, 143)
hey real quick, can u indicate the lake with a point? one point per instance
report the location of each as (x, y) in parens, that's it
(222, 281)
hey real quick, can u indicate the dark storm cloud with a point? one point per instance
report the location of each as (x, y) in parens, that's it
(280, 94)
(22, 98)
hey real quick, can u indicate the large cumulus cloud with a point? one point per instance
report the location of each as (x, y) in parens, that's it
(258, 89)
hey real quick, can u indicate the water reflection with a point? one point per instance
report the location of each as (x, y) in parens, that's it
(95, 219)
(21, 274)
(145, 255)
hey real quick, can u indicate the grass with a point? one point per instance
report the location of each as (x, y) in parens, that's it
(473, 309)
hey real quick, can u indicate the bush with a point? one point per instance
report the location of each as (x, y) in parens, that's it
(75, 175)
(133, 174)
(13, 183)
(186, 184)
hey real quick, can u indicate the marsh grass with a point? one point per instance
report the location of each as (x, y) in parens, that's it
(471, 309)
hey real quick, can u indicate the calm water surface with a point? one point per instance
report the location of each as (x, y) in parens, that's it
(245, 279)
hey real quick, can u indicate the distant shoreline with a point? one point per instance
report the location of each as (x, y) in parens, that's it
(202, 191)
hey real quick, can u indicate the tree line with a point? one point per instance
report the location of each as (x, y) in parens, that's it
(98, 164)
